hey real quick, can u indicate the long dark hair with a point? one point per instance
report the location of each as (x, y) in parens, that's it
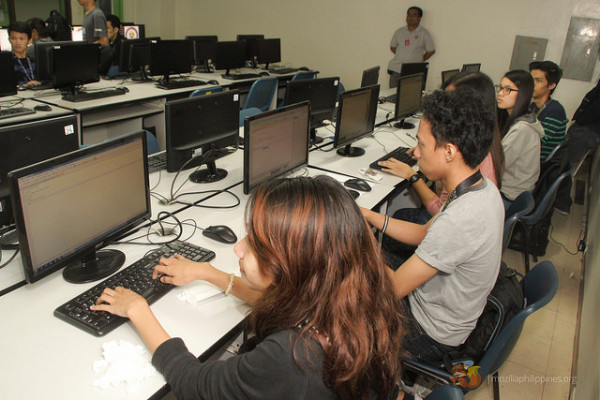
(524, 82)
(328, 276)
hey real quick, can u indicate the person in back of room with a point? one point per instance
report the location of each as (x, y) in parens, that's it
(94, 23)
(323, 311)
(38, 34)
(448, 278)
(521, 135)
(109, 57)
(19, 36)
(410, 44)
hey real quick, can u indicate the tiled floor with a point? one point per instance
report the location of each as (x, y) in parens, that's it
(539, 367)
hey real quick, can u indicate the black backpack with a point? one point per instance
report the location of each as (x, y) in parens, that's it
(57, 26)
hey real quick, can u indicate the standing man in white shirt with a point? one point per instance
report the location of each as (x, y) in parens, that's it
(410, 44)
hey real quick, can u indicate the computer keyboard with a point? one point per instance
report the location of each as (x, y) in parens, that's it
(95, 95)
(282, 71)
(399, 154)
(157, 161)
(236, 77)
(137, 277)
(15, 112)
(389, 99)
(180, 84)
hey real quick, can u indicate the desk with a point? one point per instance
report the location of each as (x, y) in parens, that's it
(38, 115)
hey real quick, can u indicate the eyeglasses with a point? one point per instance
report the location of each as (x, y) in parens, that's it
(504, 89)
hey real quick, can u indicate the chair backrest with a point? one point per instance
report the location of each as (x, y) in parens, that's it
(261, 93)
(152, 143)
(446, 392)
(304, 75)
(539, 287)
(545, 199)
(206, 90)
(522, 205)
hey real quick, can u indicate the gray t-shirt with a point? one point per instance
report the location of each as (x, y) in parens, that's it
(94, 25)
(464, 243)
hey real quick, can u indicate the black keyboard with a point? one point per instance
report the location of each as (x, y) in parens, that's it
(282, 71)
(95, 95)
(236, 77)
(399, 154)
(157, 161)
(389, 99)
(137, 277)
(15, 112)
(180, 84)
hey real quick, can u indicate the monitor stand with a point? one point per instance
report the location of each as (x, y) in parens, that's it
(94, 266)
(208, 175)
(404, 125)
(349, 151)
(9, 240)
(314, 139)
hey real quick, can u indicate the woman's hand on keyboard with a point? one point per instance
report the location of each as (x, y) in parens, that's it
(119, 301)
(180, 271)
(397, 168)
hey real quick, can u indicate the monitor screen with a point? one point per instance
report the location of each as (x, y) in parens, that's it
(370, 77)
(8, 83)
(275, 143)
(322, 94)
(408, 97)
(69, 206)
(4, 42)
(447, 75)
(198, 130)
(28, 143)
(77, 33)
(471, 67)
(355, 119)
(269, 51)
(230, 55)
(169, 57)
(69, 74)
(131, 32)
(204, 48)
(416, 68)
(43, 58)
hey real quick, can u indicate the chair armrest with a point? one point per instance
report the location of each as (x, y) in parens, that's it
(423, 369)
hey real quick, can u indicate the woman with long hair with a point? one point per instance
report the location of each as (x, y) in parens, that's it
(521, 134)
(323, 308)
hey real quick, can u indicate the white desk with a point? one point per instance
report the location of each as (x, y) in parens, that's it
(38, 115)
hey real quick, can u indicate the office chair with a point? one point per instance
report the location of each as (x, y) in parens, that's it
(206, 90)
(261, 93)
(539, 287)
(247, 112)
(297, 76)
(446, 392)
(522, 205)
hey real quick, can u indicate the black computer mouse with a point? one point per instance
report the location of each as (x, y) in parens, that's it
(124, 89)
(220, 233)
(42, 107)
(358, 184)
(213, 82)
(264, 73)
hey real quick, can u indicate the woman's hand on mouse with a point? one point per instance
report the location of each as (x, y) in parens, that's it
(180, 271)
(397, 168)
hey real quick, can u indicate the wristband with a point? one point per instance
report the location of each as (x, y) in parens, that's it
(414, 178)
(230, 286)
(385, 224)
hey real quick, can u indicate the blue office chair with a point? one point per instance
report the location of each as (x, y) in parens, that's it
(247, 112)
(341, 90)
(304, 75)
(206, 90)
(539, 287)
(261, 93)
(522, 205)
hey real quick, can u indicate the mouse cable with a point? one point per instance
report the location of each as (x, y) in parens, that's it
(217, 192)
(202, 159)
(149, 233)
(10, 259)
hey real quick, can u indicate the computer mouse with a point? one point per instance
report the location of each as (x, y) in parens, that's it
(124, 89)
(358, 184)
(42, 107)
(264, 73)
(220, 233)
(213, 82)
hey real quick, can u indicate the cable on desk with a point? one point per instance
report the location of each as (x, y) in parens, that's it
(217, 192)
(161, 220)
(11, 103)
(10, 259)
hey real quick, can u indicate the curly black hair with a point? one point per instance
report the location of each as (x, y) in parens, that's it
(461, 118)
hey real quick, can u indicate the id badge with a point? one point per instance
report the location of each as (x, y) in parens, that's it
(406, 42)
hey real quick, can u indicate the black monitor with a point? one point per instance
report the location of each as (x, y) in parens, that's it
(269, 51)
(28, 143)
(275, 143)
(204, 49)
(43, 58)
(322, 94)
(198, 131)
(447, 75)
(8, 83)
(370, 77)
(230, 55)
(4, 42)
(168, 57)
(408, 98)
(355, 119)
(251, 46)
(415, 68)
(75, 65)
(135, 56)
(471, 67)
(68, 207)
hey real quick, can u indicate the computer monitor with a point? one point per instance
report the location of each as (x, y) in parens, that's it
(77, 33)
(135, 56)
(75, 65)
(230, 55)
(4, 42)
(43, 58)
(251, 46)
(198, 131)
(447, 75)
(275, 143)
(204, 50)
(269, 51)
(355, 119)
(416, 68)
(8, 83)
(408, 99)
(322, 94)
(370, 77)
(133, 31)
(28, 143)
(168, 57)
(68, 207)
(471, 67)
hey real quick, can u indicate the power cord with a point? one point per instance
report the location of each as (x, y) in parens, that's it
(551, 228)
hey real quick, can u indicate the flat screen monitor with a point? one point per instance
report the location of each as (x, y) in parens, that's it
(132, 31)
(355, 119)
(370, 77)
(251, 46)
(135, 56)
(471, 67)
(447, 75)
(75, 65)
(408, 98)
(28, 143)
(322, 94)
(4, 42)
(168, 57)
(77, 33)
(8, 83)
(69, 206)
(416, 68)
(43, 58)
(204, 50)
(230, 55)
(199, 129)
(268, 51)
(275, 143)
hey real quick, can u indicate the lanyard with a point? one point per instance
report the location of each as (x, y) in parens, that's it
(29, 77)
(462, 188)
